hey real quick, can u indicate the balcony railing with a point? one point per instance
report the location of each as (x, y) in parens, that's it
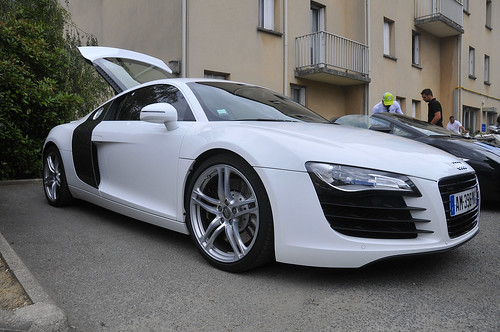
(331, 54)
(440, 17)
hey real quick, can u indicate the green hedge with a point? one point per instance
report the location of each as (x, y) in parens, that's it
(43, 81)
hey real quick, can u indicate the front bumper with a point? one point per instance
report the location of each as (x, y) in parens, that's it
(303, 236)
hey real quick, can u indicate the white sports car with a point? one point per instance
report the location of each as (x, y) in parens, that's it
(253, 176)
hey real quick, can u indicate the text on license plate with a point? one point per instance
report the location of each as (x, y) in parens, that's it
(463, 201)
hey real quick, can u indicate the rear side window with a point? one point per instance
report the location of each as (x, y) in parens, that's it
(128, 107)
(128, 73)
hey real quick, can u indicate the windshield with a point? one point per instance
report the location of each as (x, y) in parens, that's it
(227, 101)
(360, 121)
(422, 126)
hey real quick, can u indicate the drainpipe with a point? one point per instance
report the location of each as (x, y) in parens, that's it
(285, 49)
(458, 92)
(367, 39)
(184, 39)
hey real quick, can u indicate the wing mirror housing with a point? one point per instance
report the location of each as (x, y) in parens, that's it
(383, 129)
(160, 113)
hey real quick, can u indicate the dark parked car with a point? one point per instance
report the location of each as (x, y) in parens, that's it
(483, 156)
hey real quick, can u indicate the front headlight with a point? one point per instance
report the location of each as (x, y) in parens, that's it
(355, 179)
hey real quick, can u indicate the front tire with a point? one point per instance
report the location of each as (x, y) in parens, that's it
(228, 214)
(54, 178)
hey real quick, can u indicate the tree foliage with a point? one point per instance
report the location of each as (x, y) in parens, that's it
(43, 81)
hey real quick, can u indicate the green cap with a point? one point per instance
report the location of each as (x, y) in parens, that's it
(388, 98)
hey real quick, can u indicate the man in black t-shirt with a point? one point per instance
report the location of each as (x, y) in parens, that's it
(435, 112)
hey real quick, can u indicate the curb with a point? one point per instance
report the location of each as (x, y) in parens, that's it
(15, 182)
(43, 315)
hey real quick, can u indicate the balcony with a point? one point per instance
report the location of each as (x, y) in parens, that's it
(442, 18)
(332, 59)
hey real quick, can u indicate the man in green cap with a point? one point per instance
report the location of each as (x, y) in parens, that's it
(388, 104)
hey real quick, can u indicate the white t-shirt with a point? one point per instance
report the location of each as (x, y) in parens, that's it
(394, 108)
(455, 126)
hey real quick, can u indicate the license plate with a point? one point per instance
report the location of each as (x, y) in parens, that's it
(463, 201)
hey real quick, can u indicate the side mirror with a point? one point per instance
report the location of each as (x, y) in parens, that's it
(160, 113)
(383, 129)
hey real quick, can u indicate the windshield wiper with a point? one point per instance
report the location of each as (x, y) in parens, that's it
(299, 116)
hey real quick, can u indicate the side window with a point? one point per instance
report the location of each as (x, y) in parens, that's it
(170, 94)
(382, 124)
(401, 132)
(131, 105)
(128, 107)
(100, 112)
(376, 122)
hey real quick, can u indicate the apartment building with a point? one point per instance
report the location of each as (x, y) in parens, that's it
(336, 57)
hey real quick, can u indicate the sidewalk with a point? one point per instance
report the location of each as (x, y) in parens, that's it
(43, 314)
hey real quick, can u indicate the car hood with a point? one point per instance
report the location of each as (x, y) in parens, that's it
(465, 148)
(290, 145)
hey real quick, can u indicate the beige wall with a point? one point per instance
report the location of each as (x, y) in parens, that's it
(398, 76)
(229, 42)
(449, 74)
(257, 57)
(475, 92)
(344, 18)
(222, 36)
(153, 29)
(353, 15)
(87, 15)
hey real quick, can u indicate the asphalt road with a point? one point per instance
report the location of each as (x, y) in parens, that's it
(112, 273)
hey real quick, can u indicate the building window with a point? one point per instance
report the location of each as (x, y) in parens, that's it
(389, 38)
(486, 69)
(266, 14)
(402, 103)
(470, 115)
(317, 18)
(415, 49)
(415, 109)
(298, 94)
(488, 14)
(318, 39)
(472, 60)
(216, 75)
(466, 7)
(489, 116)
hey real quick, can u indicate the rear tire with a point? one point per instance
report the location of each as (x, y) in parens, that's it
(54, 178)
(228, 214)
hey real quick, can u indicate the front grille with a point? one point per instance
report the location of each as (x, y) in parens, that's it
(370, 214)
(463, 223)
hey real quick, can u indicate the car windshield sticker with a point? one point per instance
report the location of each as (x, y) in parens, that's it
(222, 112)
